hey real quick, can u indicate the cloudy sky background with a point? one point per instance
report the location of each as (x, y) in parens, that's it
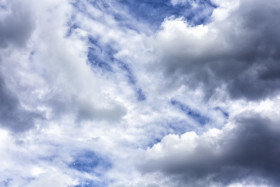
(139, 93)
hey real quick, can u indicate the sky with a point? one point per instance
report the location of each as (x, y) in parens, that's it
(139, 93)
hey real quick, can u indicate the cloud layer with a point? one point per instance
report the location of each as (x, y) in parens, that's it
(148, 93)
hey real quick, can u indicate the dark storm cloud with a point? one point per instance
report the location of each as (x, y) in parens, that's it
(250, 151)
(244, 56)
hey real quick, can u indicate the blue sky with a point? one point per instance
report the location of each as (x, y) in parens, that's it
(139, 93)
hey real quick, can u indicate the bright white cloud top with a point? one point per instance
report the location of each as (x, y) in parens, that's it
(155, 93)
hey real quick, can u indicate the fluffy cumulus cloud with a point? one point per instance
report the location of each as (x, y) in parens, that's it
(139, 93)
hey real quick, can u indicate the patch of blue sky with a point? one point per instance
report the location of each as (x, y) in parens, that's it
(131, 79)
(152, 142)
(81, 7)
(95, 60)
(127, 70)
(110, 51)
(78, 5)
(92, 183)
(6, 182)
(179, 126)
(102, 5)
(90, 162)
(195, 115)
(118, 12)
(158, 130)
(100, 56)
(99, 4)
(155, 11)
(225, 114)
(132, 14)
(71, 28)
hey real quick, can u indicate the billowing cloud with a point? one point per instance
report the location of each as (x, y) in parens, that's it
(237, 51)
(244, 151)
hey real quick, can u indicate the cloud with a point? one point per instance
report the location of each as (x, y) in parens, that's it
(12, 115)
(246, 150)
(16, 28)
(107, 98)
(237, 51)
(17, 25)
(54, 178)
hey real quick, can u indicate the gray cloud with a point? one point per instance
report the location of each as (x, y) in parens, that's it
(12, 115)
(240, 53)
(15, 29)
(84, 110)
(249, 152)
(17, 26)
